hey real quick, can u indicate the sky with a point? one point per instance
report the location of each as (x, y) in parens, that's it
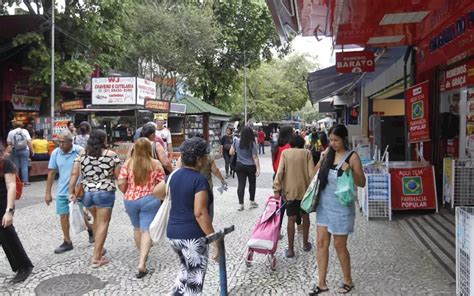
(321, 50)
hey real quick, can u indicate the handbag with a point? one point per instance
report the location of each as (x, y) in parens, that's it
(159, 224)
(76, 218)
(19, 187)
(310, 200)
(345, 184)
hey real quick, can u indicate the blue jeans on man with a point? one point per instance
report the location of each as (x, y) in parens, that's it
(20, 159)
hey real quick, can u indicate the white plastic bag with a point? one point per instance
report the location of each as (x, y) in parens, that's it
(160, 223)
(76, 219)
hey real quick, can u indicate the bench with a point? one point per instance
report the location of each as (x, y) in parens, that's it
(38, 168)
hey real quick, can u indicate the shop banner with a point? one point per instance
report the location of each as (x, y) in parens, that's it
(417, 112)
(146, 89)
(72, 105)
(178, 108)
(448, 179)
(457, 77)
(26, 103)
(114, 91)
(60, 124)
(413, 188)
(355, 61)
(157, 105)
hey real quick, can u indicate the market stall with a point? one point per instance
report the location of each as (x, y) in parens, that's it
(199, 117)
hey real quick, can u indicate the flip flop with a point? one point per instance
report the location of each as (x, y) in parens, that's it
(317, 290)
(345, 288)
(287, 254)
(103, 261)
(308, 247)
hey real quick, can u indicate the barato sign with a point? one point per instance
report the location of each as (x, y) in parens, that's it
(146, 89)
(355, 62)
(417, 111)
(413, 188)
(114, 91)
(157, 105)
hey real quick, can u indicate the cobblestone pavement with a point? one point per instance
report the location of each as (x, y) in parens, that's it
(385, 260)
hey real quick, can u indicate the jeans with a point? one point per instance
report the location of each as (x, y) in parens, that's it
(11, 244)
(244, 172)
(261, 148)
(99, 199)
(227, 160)
(142, 211)
(20, 159)
(40, 157)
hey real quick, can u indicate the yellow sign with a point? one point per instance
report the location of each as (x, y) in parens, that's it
(161, 116)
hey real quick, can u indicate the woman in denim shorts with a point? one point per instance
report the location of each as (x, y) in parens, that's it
(138, 176)
(99, 167)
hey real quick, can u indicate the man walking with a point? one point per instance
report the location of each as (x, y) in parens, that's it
(226, 144)
(19, 147)
(261, 141)
(62, 162)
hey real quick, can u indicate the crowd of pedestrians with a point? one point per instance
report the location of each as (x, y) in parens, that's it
(90, 173)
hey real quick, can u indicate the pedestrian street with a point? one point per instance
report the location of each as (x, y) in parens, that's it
(385, 260)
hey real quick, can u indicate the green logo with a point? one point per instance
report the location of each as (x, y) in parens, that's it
(412, 185)
(417, 110)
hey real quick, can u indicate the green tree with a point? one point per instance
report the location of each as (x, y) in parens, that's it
(247, 37)
(275, 89)
(166, 40)
(88, 34)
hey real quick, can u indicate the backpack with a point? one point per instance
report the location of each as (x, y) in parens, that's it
(19, 141)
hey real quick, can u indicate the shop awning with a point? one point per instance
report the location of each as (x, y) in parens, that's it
(326, 82)
(196, 106)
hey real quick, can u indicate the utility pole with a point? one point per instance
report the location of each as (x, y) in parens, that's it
(245, 90)
(52, 67)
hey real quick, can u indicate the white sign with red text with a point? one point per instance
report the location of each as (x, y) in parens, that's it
(114, 91)
(146, 89)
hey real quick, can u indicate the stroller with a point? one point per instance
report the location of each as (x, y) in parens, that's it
(265, 235)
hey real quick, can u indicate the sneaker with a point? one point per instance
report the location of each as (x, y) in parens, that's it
(64, 247)
(241, 207)
(21, 275)
(253, 205)
(91, 236)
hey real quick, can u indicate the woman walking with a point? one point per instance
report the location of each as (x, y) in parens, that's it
(333, 218)
(226, 144)
(281, 145)
(295, 172)
(189, 221)
(84, 134)
(17, 257)
(157, 150)
(138, 176)
(99, 167)
(248, 165)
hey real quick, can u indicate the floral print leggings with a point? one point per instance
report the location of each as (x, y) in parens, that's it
(193, 255)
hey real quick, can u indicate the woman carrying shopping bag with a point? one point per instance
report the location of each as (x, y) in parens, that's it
(99, 168)
(294, 174)
(334, 216)
(138, 176)
(189, 220)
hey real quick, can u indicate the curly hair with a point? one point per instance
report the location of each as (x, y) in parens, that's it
(191, 149)
(96, 143)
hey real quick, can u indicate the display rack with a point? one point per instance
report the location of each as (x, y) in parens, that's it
(375, 197)
(194, 124)
(464, 250)
(215, 132)
(463, 187)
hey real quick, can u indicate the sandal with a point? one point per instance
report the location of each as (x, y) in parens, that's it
(103, 261)
(317, 290)
(308, 247)
(287, 254)
(345, 288)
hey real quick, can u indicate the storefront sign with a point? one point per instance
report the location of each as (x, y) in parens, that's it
(355, 62)
(417, 111)
(60, 124)
(146, 89)
(178, 108)
(161, 116)
(413, 188)
(114, 91)
(72, 105)
(26, 103)
(457, 77)
(157, 105)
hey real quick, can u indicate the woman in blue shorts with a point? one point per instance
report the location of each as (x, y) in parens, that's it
(333, 218)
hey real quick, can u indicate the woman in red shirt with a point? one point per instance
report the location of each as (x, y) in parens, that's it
(138, 176)
(281, 145)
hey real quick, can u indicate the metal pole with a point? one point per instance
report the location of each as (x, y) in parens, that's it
(52, 67)
(222, 268)
(245, 90)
